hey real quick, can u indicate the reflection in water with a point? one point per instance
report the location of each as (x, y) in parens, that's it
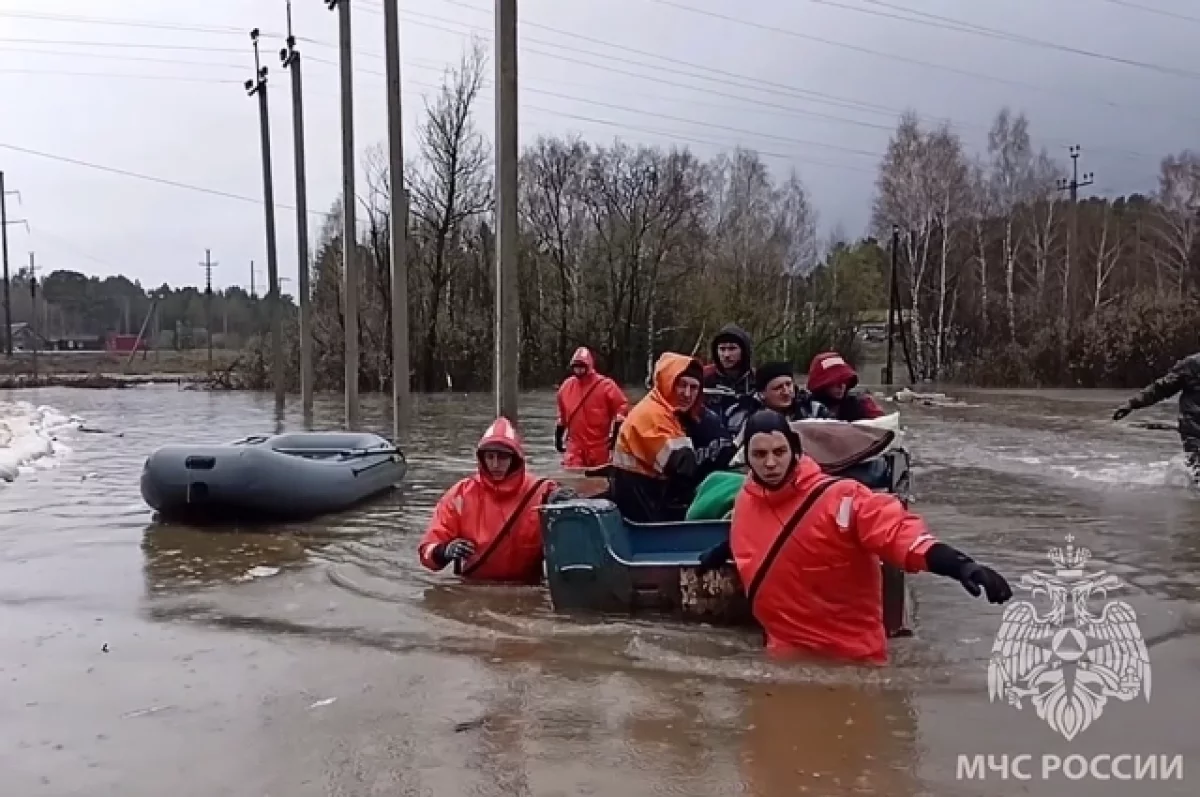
(837, 740)
(490, 691)
(179, 557)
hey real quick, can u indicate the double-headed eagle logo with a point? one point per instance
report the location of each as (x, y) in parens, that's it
(1069, 662)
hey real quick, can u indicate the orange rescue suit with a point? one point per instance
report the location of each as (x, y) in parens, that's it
(478, 508)
(588, 406)
(822, 592)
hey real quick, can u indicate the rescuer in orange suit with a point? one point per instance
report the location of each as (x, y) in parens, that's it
(488, 522)
(590, 410)
(819, 590)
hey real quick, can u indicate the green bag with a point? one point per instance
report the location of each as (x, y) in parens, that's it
(715, 495)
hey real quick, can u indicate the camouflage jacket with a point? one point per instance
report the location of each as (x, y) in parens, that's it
(1183, 378)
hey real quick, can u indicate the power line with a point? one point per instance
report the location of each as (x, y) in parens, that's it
(138, 176)
(959, 26)
(737, 80)
(1150, 10)
(115, 75)
(131, 58)
(888, 56)
(131, 45)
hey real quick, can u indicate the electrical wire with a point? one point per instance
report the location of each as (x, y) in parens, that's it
(957, 25)
(1150, 10)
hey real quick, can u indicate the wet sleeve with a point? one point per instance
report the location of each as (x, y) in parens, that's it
(617, 402)
(886, 528)
(1164, 387)
(562, 410)
(445, 525)
(869, 407)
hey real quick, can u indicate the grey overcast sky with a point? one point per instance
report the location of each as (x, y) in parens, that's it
(155, 87)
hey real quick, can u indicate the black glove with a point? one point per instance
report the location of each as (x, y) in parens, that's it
(943, 560)
(560, 432)
(455, 549)
(1122, 412)
(560, 494)
(714, 558)
(612, 436)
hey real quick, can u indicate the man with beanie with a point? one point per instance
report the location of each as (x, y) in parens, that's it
(777, 391)
(656, 463)
(807, 547)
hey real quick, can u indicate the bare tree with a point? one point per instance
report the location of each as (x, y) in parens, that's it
(1179, 216)
(452, 188)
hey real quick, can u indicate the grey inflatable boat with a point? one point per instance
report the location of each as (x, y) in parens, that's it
(287, 476)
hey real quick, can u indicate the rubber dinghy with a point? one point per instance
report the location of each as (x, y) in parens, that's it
(288, 476)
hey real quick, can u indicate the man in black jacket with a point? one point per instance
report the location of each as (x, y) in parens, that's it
(1183, 378)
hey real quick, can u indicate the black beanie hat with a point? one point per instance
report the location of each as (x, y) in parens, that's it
(769, 371)
(768, 421)
(695, 370)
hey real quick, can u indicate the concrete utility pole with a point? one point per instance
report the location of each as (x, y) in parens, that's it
(507, 309)
(258, 86)
(33, 313)
(401, 390)
(291, 61)
(1072, 186)
(349, 198)
(208, 265)
(4, 222)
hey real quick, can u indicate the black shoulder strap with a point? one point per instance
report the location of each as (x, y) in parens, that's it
(784, 535)
(509, 525)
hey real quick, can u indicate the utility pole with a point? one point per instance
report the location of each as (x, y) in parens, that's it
(1074, 184)
(33, 314)
(208, 265)
(401, 390)
(888, 373)
(290, 57)
(258, 86)
(4, 222)
(253, 292)
(507, 309)
(349, 198)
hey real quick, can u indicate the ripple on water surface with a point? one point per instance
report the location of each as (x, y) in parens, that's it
(1005, 479)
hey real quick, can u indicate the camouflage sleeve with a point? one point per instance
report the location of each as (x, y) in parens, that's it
(1162, 388)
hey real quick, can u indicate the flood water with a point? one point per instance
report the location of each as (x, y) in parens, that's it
(319, 659)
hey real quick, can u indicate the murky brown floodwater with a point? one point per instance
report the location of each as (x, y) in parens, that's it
(217, 682)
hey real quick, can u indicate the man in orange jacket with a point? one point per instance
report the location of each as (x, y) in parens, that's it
(657, 463)
(807, 548)
(488, 523)
(591, 408)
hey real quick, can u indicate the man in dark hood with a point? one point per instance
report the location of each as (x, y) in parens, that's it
(729, 378)
(732, 353)
(1183, 378)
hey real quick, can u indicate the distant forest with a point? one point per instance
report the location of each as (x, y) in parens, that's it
(74, 305)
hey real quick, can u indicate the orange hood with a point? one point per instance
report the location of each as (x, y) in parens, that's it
(502, 435)
(583, 356)
(667, 370)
